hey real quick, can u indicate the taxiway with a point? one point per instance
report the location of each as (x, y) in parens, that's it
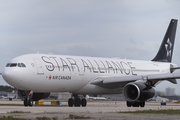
(95, 109)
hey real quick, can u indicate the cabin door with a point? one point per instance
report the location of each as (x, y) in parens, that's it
(40, 70)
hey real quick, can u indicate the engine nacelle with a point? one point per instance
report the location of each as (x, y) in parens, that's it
(138, 92)
(35, 97)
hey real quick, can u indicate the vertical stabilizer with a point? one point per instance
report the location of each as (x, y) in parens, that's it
(166, 49)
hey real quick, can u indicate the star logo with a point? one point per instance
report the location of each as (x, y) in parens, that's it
(168, 47)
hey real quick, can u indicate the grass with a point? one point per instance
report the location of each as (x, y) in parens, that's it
(11, 105)
(170, 111)
(46, 118)
(10, 118)
(55, 118)
(19, 112)
(71, 116)
(43, 118)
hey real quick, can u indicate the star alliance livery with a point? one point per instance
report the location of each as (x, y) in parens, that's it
(36, 75)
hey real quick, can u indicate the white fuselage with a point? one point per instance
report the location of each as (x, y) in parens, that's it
(48, 73)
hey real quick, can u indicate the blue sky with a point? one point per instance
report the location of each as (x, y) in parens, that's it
(117, 28)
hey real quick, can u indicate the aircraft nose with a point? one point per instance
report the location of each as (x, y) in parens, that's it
(10, 77)
(7, 75)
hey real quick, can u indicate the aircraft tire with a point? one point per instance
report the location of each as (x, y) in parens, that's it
(70, 102)
(25, 103)
(30, 102)
(77, 102)
(135, 104)
(142, 104)
(84, 102)
(128, 104)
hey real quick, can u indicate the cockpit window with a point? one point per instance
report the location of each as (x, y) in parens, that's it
(15, 65)
(23, 65)
(19, 64)
(8, 65)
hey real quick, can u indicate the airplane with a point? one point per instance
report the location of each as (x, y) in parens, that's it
(95, 98)
(10, 98)
(152, 99)
(162, 99)
(36, 75)
(172, 97)
(4, 97)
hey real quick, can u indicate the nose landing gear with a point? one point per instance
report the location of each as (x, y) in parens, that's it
(28, 100)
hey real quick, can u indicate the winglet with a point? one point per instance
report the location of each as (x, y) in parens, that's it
(166, 49)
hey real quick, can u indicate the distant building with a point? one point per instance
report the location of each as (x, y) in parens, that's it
(170, 91)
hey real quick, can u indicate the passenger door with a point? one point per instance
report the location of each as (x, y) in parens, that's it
(40, 70)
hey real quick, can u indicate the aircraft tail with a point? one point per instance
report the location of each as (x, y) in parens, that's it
(166, 49)
(14, 97)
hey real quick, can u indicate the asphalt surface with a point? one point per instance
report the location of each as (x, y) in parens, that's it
(96, 110)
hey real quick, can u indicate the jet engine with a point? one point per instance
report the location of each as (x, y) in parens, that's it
(138, 92)
(36, 96)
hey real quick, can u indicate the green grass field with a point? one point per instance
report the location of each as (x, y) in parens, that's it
(170, 111)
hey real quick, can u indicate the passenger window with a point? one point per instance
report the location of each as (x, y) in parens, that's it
(23, 65)
(13, 65)
(19, 64)
(8, 65)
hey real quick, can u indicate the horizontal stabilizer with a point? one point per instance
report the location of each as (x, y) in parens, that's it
(174, 68)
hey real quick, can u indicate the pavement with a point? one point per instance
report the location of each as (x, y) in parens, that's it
(92, 107)
(96, 109)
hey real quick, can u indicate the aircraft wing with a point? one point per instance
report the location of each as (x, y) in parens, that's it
(172, 97)
(122, 81)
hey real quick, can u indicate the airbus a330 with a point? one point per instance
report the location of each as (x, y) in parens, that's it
(36, 75)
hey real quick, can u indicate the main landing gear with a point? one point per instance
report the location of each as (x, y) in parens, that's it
(28, 99)
(77, 101)
(135, 104)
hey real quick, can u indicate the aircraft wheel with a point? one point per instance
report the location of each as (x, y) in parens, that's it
(84, 102)
(25, 103)
(135, 104)
(70, 102)
(142, 104)
(128, 104)
(77, 102)
(30, 102)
